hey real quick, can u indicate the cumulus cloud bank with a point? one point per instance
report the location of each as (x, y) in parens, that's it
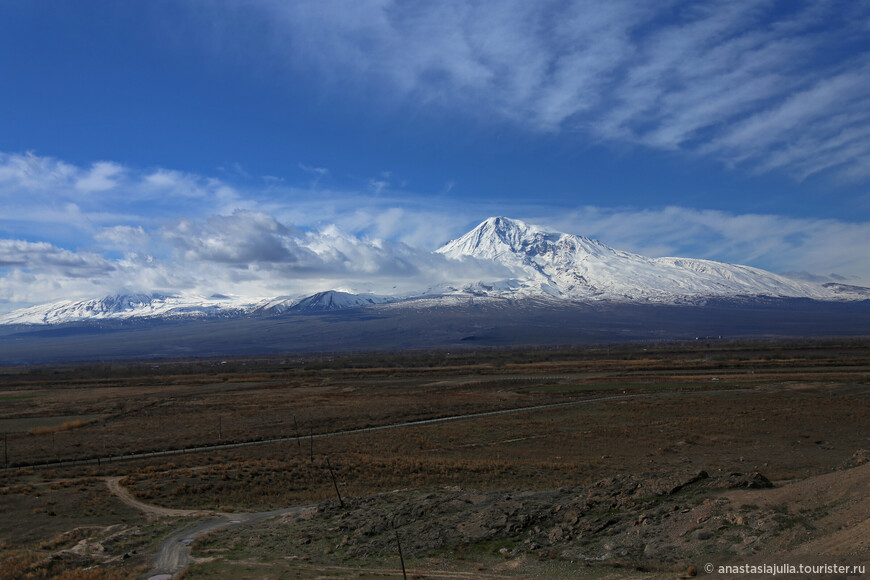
(205, 236)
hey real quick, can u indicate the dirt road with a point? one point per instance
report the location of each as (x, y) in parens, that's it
(174, 553)
(114, 485)
(418, 423)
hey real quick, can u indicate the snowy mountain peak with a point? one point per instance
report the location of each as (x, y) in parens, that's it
(508, 231)
(577, 268)
(336, 300)
(511, 242)
(121, 307)
(490, 239)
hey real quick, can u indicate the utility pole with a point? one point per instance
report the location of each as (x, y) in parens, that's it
(298, 437)
(401, 558)
(220, 429)
(5, 450)
(334, 483)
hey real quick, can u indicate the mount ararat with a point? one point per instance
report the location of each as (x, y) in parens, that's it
(550, 288)
(541, 265)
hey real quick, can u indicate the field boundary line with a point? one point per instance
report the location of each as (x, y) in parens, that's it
(402, 425)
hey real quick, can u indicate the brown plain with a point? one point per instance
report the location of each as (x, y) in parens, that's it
(791, 410)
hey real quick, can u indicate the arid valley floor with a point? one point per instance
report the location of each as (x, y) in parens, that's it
(648, 460)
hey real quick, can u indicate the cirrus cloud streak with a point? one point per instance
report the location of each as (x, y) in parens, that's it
(767, 86)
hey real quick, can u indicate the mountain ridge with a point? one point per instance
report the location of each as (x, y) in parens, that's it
(544, 265)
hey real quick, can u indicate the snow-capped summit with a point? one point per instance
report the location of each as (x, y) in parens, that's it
(578, 268)
(508, 241)
(121, 307)
(336, 300)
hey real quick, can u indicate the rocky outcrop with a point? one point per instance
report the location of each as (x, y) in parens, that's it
(660, 519)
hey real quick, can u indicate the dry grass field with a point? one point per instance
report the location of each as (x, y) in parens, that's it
(789, 410)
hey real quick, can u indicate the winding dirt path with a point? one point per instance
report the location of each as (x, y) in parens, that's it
(152, 511)
(173, 555)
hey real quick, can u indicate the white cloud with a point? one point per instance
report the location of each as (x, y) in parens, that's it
(270, 251)
(100, 178)
(162, 183)
(245, 253)
(36, 191)
(33, 272)
(42, 256)
(377, 186)
(755, 84)
(124, 237)
(239, 239)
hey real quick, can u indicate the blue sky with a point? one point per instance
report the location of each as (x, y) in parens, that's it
(269, 147)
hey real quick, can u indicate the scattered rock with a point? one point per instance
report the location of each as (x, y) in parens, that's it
(701, 476)
(857, 459)
(740, 480)
(664, 519)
